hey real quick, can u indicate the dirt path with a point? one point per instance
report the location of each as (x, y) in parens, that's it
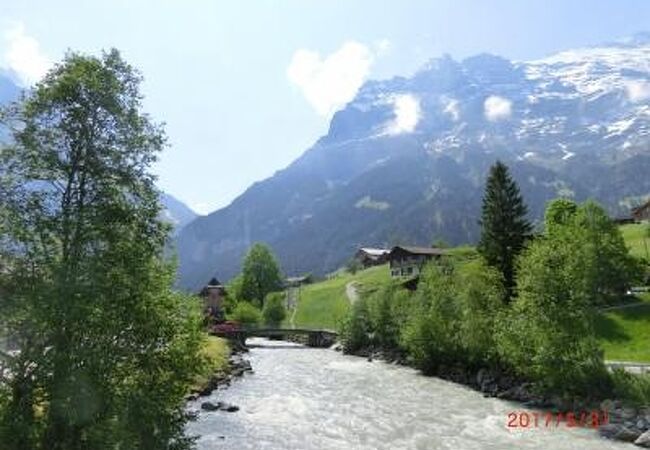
(292, 304)
(629, 305)
(351, 292)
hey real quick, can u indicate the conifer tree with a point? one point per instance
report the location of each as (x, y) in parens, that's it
(504, 227)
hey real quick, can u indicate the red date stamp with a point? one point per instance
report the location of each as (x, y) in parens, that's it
(571, 419)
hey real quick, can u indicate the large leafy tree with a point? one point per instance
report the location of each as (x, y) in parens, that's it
(606, 269)
(548, 334)
(579, 263)
(261, 274)
(106, 348)
(504, 227)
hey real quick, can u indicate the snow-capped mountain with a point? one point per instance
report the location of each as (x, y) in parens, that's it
(405, 161)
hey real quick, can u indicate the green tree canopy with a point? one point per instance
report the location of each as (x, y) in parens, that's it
(504, 227)
(274, 311)
(548, 334)
(260, 275)
(246, 314)
(559, 212)
(581, 262)
(106, 348)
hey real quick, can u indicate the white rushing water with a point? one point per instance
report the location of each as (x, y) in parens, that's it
(305, 398)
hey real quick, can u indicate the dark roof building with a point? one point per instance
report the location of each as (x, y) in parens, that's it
(408, 261)
(368, 256)
(297, 281)
(641, 213)
(213, 295)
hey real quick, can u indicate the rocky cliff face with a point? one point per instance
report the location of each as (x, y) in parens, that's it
(405, 161)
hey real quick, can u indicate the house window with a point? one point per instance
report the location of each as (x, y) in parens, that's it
(409, 270)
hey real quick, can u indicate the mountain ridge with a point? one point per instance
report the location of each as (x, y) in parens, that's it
(575, 124)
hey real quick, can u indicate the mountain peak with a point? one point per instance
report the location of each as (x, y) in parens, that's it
(406, 159)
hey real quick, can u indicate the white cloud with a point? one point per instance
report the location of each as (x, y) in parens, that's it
(497, 108)
(329, 83)
(383, 46)
(638, 90)
(407, 114)
(453, 109)
(23, 54)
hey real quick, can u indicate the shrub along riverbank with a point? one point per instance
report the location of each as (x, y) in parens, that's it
(540, 346)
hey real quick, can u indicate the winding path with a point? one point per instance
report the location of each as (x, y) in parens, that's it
(351, 292)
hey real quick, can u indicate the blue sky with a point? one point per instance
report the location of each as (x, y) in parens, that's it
(245, 87)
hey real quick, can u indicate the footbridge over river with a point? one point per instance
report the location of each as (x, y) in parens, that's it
(308, 336)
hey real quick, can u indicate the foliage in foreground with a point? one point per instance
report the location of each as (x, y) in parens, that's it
(107, 349)
(633, 388)
(545, 334)
(548, 334)
(455, 317)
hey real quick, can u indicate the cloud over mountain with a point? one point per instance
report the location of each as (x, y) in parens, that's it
(329, 82)
(404, 161)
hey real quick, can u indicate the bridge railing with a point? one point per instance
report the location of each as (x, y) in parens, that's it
(301, 330)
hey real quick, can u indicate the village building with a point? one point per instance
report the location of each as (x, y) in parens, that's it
(407, 261)
(213, 295)
(641, 213)
(297, 281)
(369, 257)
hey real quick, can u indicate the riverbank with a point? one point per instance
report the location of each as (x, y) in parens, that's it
(617, 420)
(224, 362)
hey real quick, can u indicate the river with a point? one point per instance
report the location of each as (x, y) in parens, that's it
(305, 398)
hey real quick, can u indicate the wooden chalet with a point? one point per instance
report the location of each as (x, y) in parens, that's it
(213, 295)
(408, 261)
(641, 213)
(368, 257)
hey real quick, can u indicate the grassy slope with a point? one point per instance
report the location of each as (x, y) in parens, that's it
(323, 304)
(634, 238)
(624, 334)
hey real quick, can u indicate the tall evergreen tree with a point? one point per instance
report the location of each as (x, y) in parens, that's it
(504, 227)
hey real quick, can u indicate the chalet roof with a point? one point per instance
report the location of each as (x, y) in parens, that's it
(428, 251)
(374, 251)
(640, 208)
(214, 282)
(297, 279)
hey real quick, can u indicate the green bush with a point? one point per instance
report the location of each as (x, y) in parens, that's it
(388, 310)
(246, 314)
(630, 387)
(274, 311)
(431, 334)
(480, 292)
(354, 329)
(548, 335)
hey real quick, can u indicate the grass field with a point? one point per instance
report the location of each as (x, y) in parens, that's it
(634, 235)
(323, 304)
(216, 351)
(624, 334)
